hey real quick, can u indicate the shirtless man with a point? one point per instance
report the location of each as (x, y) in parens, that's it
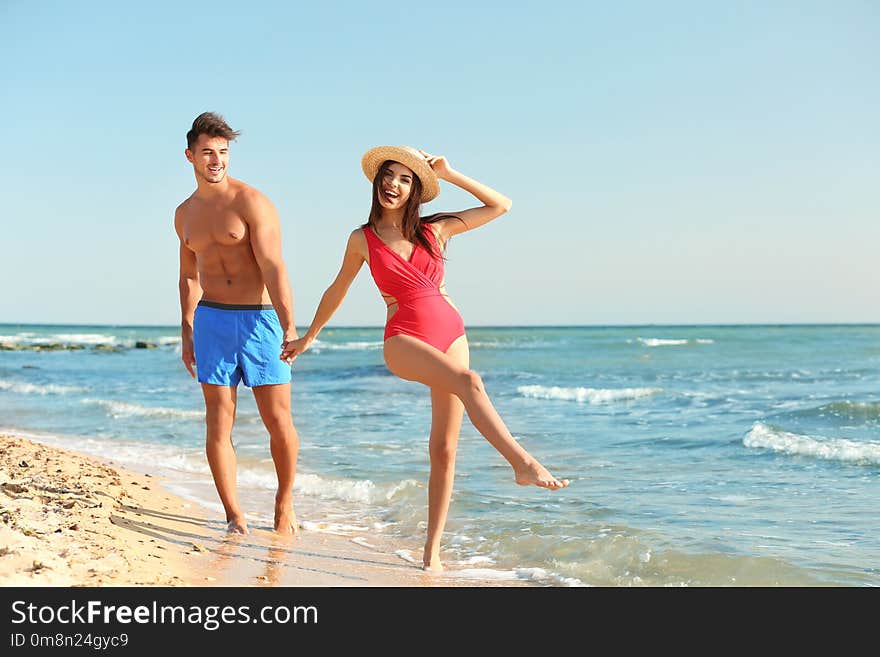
(237, 314)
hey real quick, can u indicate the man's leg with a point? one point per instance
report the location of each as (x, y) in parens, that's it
(219, 417)
(273, 401)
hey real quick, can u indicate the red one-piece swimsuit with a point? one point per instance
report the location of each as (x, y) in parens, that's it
(423, 312)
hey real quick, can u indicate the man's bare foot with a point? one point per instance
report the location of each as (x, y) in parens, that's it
(431, 562)
(236, 525)
(285, 520)
(536, 474)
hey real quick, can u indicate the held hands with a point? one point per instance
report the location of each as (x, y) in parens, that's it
(290, 349)
(439, 164)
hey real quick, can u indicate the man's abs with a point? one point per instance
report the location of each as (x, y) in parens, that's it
(230, 274)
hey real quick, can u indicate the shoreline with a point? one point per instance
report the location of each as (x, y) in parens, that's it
(67, 519)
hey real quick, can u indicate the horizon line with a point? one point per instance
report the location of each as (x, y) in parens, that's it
(501, 326)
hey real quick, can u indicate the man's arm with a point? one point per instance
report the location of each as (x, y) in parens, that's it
(265, 229)
(190, 293)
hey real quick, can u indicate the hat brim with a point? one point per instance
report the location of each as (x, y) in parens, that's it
(408, 157)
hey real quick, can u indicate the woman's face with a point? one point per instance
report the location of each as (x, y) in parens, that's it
(395, 187)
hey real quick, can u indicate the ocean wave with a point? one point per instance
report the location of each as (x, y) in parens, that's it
(355, 345)
(119, 409)
(474, 560)
(665, 342)
(406, 555)
(35, 389)
(67, 339)
(539, 575)
(836, 449)
(488, 344)
(846, 410)
(126, 452)
(337, 528)
(83, 338)
(29, 341)
(509, 344)
(350, 490)
(590, 395)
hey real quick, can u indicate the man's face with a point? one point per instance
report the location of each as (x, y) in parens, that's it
(209, 157)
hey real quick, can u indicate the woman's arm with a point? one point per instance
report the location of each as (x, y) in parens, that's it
(494, 203)
(333, 295)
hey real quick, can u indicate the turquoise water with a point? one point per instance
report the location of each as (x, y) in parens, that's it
(699, 455)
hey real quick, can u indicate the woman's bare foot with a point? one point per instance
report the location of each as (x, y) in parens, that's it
(535, 474)
(236, 525)
(285, 519)
(431, 562)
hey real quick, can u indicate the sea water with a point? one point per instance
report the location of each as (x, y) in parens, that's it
(698, 455)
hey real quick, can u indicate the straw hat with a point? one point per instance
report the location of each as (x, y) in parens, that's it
(408, 157)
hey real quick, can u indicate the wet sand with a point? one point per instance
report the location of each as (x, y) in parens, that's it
(72, 520)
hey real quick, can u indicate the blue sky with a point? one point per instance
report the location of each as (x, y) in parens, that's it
(681, 162)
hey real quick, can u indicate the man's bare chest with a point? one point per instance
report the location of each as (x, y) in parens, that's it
(205, 229)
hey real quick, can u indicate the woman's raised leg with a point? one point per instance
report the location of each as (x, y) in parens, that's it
(414, 360)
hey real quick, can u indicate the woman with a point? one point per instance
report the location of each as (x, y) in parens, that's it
(425, 339)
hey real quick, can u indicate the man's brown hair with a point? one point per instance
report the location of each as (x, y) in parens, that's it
(211, 124)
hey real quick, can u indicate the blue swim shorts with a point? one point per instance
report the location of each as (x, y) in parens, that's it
(236, 343)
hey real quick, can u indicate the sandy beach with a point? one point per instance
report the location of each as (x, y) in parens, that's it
(72, 520)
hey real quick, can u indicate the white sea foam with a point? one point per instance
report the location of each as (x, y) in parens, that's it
(589, 395)
(356, 345)
(475, 560)
(119, 409)
(138, 454)
(540, 575)
(82, 338)
(485, 574)
(73, 340)
(350, 490)
(406, 555)
(15, 338)
(459, 539)
(34, 389)
(660, 342)
(836, 449)
(127, 453)
(338, 529)
(357, 540)
(543, 575)
(193, 461)
(667, 342)
(510, 344)
(260, 479)
(737, 499)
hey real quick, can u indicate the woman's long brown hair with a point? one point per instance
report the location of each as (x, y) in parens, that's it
(413, 223)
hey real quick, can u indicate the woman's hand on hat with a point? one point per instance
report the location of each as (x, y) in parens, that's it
(439, 164)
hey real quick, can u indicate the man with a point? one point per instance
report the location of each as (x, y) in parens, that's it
(237, 314)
